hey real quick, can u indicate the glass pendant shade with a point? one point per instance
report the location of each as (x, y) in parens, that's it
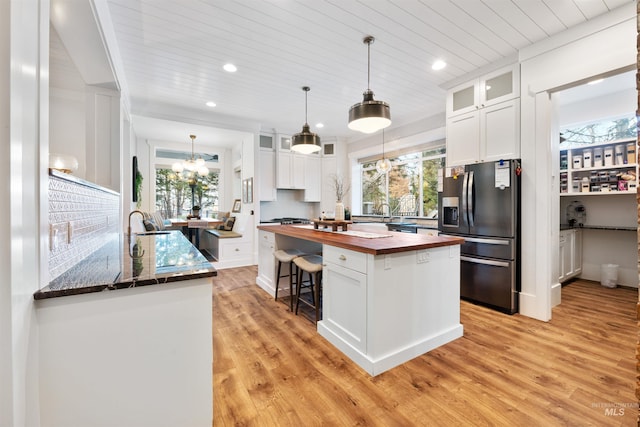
(383, 165)
(305, 142)
(369, 116)
(177, 167)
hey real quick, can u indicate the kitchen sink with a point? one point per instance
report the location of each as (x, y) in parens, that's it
(404, 227)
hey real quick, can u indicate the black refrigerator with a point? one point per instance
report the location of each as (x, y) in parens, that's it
(481, 203)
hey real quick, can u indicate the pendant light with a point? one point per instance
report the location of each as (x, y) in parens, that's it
(383, 165)
(305, 142)
(369, 115)
(192, 165)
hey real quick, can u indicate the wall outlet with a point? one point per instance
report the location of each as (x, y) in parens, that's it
(423, 256)
(57, 234)
(387, 262)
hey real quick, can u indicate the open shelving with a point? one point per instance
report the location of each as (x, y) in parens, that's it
(606, 168)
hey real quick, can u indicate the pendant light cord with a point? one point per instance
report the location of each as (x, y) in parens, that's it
(368, 40)
(369, 65)
(306, 90)
(383, 144)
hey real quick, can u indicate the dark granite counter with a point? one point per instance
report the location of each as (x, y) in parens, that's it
(145, 260)
(598, 227)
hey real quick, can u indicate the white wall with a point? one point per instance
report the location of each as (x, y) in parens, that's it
(24, 111)
(574, 56)
(67, 126)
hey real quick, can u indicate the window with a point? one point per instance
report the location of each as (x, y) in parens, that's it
(175, 196)
(409, 189)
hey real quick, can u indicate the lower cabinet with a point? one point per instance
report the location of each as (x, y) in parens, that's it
(344, 293)
(266, 260)
(570, 253)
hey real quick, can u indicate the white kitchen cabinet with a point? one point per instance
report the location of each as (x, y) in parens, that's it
(463, 139)
(483, 119)
(488, 134)
(289, 165)
(570, 252)
(312, 178)
(489, 89)
(267, 141)
(594, 169)
(266, 260)
(290, 171)
(344, 295)
(267, 184)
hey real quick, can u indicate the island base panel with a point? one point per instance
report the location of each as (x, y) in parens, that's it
(377, 366)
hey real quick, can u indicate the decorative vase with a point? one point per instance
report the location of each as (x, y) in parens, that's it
(339, 211)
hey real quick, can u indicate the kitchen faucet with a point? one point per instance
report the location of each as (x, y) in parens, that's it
(129, 227)
(382, 205)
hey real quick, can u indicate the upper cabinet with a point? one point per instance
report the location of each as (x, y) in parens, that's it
(501, 85)
(483, 118)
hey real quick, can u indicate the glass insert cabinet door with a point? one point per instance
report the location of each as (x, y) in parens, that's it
(490, 89)
(498, 86)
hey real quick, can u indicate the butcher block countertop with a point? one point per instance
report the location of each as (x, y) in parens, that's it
(362, 238)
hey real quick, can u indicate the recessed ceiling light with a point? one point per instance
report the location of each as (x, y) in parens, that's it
(319, 125)
(211, 104)
(595, 82)
(438, 65)
(230, 68)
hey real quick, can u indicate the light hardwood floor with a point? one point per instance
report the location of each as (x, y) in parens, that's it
(271, 368)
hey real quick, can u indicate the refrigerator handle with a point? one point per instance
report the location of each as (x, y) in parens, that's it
(470, 190)
(464, 210)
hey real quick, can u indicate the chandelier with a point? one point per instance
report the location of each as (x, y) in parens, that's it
(191, 166)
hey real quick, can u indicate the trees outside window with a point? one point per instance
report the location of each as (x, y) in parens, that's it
(409, 189)
(175, 196)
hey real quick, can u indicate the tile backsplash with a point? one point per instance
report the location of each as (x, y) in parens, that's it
(82, 217)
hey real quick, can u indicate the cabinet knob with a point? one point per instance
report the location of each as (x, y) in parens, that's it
(342, 258)
(237, 250)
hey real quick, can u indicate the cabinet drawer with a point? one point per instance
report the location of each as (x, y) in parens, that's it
(230, 250)
(267, 237)
(346, 258)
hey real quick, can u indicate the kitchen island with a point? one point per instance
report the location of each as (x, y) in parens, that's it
(386, 297)
(125, 336)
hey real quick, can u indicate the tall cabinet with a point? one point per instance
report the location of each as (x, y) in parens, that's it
(483, 118)
(282, 168)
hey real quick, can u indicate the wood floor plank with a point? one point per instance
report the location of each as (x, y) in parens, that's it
(272, 368)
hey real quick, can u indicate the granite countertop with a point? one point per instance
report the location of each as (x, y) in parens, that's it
(145, 260)
(597, 227)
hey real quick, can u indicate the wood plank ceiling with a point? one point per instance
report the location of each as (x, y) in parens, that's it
(173, 53)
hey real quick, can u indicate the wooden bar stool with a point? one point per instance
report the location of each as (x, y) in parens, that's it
(312, 264)
(286, 256)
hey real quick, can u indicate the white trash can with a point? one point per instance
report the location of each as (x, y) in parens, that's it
(609, 275)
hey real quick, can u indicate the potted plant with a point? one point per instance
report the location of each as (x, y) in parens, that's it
(341, 188)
